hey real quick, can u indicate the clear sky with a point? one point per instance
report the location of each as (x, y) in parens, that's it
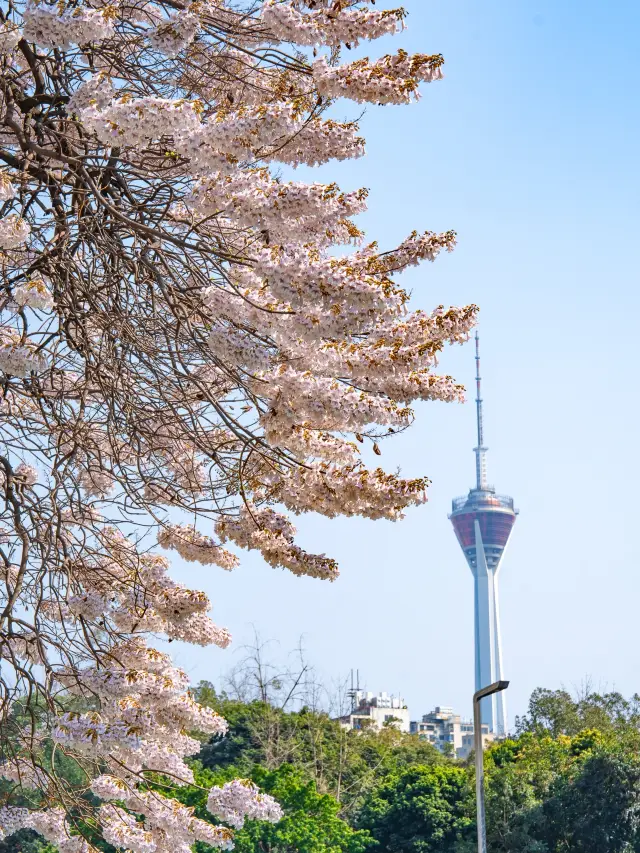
(529, 150)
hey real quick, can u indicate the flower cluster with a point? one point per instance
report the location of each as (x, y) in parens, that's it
(11, 820)
(44, 26)
(10, 35)
(234, 346)
(18, 358)
(142, 597)
(416, 248)
(172, 36)
(390, 80)
(136, 121)
(326, 403)
(318, 141)
(25, 773)
(7, 190)
(167, 827)
(238, 800)
(96, 482)
(286, 210)
(14, 231)
(26, 474)
(344, 292)
(34, 294)
(51, 824)
(97, 91)
(143, 716)
(334, 26)
(194, 547)
(305, 443)
(352, 490)
(269, 532)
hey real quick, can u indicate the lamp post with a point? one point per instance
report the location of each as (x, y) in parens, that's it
(496, 687)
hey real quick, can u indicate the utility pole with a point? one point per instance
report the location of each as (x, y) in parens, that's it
(479, 750)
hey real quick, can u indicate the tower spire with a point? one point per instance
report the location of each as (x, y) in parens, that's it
(480, 450)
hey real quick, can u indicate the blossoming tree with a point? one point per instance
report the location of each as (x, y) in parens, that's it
(181, 356)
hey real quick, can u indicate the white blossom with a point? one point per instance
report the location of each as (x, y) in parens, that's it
(241, 799)
(27, 474)
(172, 36)
(43, 25)
(14, 231)
(96, 91)
(390, 80)
(7, 190)
(10, 35)
(329, 26)
(193, 547)
(18, 358)
(34, 294)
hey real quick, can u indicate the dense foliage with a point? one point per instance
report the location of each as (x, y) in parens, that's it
(555, 787)
(560, 784)
(420, 810)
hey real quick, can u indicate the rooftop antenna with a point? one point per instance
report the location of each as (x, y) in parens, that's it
(353, 693)
(480, 450)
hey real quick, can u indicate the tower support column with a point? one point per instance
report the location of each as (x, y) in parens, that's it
(500, 699)
(485, 628)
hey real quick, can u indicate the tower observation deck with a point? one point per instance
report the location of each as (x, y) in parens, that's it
(483, 521)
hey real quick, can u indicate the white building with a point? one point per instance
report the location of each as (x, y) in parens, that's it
(448, 732)
(371, 711)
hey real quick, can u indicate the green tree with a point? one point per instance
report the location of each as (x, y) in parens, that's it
(520, 775)
(421, 810)
(598, 811)
(558, 713)
(554, 795)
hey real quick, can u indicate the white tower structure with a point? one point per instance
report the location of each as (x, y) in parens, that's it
(483, 522)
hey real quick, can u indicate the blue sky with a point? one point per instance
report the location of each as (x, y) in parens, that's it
(529, 150)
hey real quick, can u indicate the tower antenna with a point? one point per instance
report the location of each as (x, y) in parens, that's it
(480, 450)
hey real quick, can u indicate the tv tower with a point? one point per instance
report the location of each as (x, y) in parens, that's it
(483, 522)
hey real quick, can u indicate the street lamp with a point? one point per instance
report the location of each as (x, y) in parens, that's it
(496, 687)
